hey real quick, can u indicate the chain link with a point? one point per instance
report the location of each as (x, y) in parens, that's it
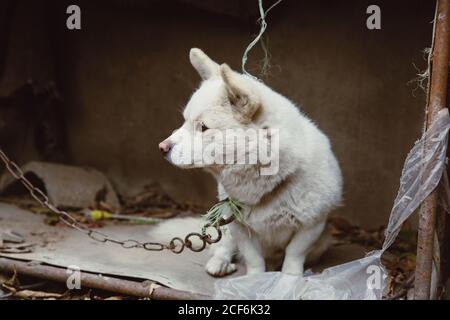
(176, 245)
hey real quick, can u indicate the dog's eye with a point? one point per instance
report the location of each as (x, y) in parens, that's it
(204, 127)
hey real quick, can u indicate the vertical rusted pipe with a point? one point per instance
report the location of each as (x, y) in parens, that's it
(436, 101)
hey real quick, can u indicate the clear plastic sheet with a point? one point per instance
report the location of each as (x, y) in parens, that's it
(364, 278)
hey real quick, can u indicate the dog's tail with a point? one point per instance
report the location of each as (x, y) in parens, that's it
(177, 227)
(180, 227)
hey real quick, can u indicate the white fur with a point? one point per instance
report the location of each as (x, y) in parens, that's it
(287, 210)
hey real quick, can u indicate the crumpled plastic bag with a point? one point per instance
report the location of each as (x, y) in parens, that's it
(362, 279)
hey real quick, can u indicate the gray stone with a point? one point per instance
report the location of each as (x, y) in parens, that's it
(67, 186)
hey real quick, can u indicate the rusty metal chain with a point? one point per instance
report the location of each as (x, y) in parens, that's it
(176, 245)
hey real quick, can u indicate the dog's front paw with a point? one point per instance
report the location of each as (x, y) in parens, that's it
(219, 267)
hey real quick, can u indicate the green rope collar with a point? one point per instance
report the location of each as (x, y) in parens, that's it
(219, 210)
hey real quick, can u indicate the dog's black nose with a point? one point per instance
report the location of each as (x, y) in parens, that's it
(165, 147)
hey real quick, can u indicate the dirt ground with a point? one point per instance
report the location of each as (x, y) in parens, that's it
(349, 242)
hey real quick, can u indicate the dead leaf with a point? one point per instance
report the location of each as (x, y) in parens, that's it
(30, 294)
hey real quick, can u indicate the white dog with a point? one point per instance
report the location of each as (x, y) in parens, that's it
(285, 210)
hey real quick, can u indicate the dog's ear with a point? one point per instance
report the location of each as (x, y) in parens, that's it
(244, 101)
(205, 67)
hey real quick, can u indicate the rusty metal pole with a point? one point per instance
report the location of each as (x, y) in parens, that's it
(89, 280)
(437, 92)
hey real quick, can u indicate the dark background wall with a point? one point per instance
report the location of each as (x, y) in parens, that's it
(126, 75)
